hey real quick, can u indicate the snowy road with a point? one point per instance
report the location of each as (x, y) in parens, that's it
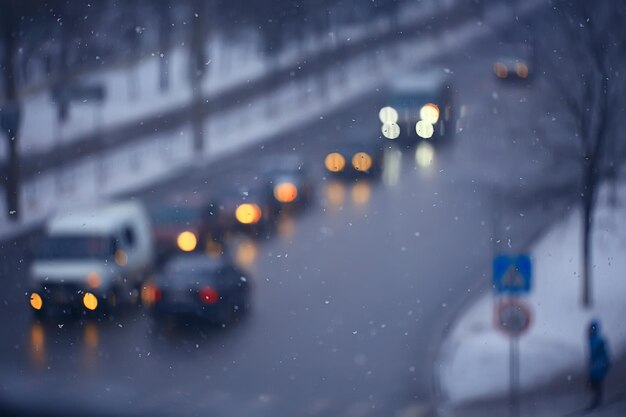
(350, 298)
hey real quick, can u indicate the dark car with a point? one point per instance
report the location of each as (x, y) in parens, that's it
(512, 68)
(515, 64)
(288, 181)
(419, 106)
(177, 228)
(247, 210)
(355, 160)
(194, 286)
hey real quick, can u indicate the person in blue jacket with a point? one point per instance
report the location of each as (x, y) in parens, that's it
(599, 362)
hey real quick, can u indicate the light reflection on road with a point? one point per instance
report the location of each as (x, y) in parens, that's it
(424, 155)
(37, 346)
(392, 164)
(286, 227)
(246, 252)
(334, 194)
(361, 193)
(91, 342)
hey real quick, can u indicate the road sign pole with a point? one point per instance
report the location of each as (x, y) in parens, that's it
(513, 318)
(512, 277)
(511, 377)
(514, 376)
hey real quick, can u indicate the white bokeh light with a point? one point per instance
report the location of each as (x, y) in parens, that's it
(388, 115)
(424, 129)
(429, 113)
(390, 130)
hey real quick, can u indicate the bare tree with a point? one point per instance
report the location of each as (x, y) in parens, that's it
(165, 35)
(586, 75)
(10, 106)
(197, 67)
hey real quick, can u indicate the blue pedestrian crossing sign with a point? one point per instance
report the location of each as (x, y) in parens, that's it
(512, 274)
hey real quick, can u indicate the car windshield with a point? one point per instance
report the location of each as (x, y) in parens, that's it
(190, 264)
(412, 101)
(75, 248)
(238, 196)
(175, 215)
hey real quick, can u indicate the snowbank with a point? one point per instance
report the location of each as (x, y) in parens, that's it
(473, 361)
(132, 90)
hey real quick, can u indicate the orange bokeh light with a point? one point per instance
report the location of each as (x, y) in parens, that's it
(335, 162)
(285, 192)
(248, 213)
(361, 161)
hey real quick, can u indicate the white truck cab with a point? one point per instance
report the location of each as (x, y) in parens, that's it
(91, 258)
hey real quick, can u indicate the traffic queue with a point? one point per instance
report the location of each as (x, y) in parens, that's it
(173, 257)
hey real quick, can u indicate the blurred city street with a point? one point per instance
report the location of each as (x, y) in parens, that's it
(351, 297)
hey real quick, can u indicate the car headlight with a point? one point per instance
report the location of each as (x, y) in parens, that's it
(424, 129)
(429, 113)
(90, 301)
(335, 162)
(500, 70)
(36, 301)
(361, 161)
(187, 241)
(388, 115)
(521, 69)
(248, 213)
(285, 192)
(390, 130)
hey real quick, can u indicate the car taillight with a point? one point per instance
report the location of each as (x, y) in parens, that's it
(150, 294)
(209, 295)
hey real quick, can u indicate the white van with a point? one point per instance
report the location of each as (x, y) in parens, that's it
(91, 258)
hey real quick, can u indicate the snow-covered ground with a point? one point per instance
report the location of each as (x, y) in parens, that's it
(473, 362)
(132, 91)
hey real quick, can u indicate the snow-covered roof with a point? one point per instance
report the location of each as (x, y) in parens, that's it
(93, 220)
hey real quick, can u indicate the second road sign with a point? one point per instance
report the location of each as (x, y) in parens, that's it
(513, 317)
